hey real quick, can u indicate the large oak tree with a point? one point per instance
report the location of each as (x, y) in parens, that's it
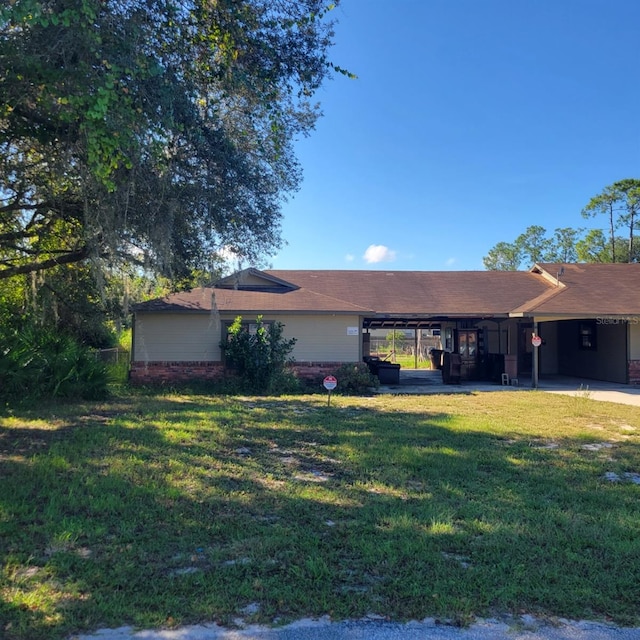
(158, 131)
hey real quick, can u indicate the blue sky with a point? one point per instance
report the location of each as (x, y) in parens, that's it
(470, 120)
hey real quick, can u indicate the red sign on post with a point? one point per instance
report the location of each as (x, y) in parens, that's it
(536, 341)
(330, 383)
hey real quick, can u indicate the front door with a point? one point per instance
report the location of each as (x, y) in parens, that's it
(468, 350)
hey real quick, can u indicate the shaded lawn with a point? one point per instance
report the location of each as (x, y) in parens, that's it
(166, 510)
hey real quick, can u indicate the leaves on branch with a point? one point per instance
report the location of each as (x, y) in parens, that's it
(152, 130)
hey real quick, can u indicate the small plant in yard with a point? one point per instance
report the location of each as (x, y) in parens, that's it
(584, 392)
(175, 509)
(582, 399)
(355, 378)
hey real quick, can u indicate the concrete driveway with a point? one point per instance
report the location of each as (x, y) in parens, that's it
(425, 381)
(593, 390)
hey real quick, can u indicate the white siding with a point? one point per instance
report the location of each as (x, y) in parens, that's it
(323, 338)
(318, 338)
(176, 337)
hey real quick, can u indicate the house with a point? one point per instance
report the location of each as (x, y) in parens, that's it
(586, 315)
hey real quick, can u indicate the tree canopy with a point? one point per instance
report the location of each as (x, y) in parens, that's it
(154, 131)
(619, 202)
(534, 245)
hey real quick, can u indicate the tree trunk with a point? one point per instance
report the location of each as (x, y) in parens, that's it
(612, 231)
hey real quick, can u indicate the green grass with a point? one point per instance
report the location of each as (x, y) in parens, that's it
(167, 510)
(407, 361)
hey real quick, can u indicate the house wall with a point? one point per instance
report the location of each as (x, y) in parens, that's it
(181, 346)
(184, 337)
(514, 332)
(324, 338)
(634, 340)
(247, 279)
(608, 362)
(176, 337)
(634, 350)
(548, 351)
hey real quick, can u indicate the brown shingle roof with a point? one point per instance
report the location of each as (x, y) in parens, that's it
(584, 290)
(429, 293)
(591, 290)
(424, 292)
(301, 299)
(196, 300)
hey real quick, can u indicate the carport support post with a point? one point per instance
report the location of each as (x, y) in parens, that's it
(536, 361)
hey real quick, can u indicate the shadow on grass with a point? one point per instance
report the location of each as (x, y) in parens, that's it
(175, 510)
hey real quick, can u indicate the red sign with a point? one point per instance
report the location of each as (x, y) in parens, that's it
(536, 341)
(330, 383)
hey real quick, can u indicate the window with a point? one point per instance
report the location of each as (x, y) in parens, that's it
(248, 328)
(251, 327)
(587, 336)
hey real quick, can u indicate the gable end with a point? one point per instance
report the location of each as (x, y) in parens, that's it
(254, 280)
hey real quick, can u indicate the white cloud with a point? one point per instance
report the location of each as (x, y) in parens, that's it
(378, 253)
(451, 261)
(349, 257)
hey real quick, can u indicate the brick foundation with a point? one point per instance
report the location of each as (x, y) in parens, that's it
(634, 371)
(316, 370)
(165, 372)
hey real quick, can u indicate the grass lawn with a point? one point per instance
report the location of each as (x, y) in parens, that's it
(408, 361)
(165, 510)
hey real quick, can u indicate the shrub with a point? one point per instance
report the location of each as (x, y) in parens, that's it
(41, 363)
(355, 378)
(259, 359)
